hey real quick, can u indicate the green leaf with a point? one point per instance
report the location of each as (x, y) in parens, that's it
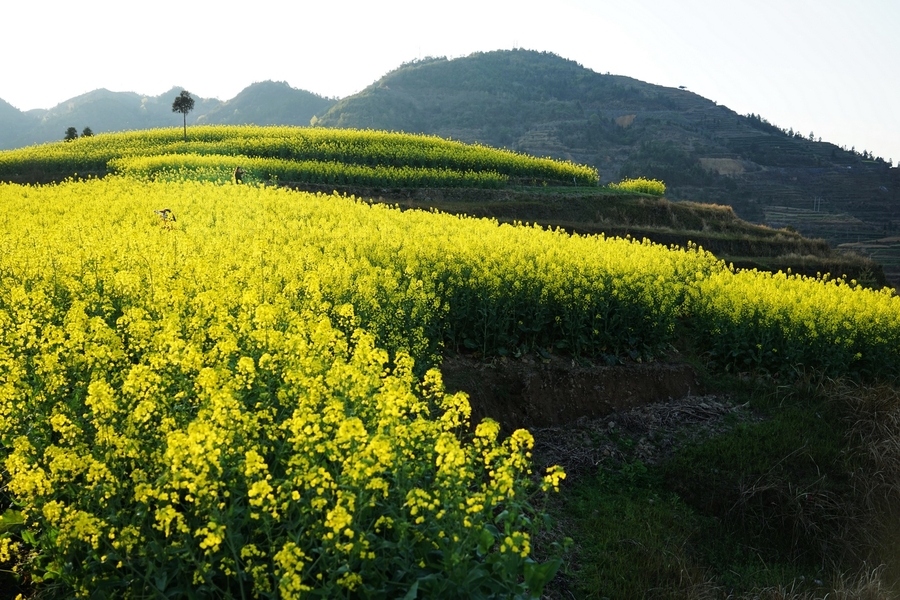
(413, 592)
(161, 580)
(29, 537)
(11, 520)
(537, 575)
(486, 540)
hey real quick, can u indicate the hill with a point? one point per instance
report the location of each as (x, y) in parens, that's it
(102, 111)
(542, 104)
(13, 124)
(545, 105)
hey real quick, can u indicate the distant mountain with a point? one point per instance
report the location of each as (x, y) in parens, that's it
(543, 104)
(102, 110)
(14, 126)
(269, 103)
(534, 102)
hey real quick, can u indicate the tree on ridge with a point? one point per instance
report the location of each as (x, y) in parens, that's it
(183, 104)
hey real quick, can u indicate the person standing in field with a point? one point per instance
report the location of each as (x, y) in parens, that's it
(238, 174)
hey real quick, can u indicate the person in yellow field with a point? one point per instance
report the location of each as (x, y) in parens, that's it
(238, 174)
(166, 215)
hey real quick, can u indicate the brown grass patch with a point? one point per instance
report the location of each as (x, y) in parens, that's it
(625, 120)
(722, 166)
(868, 584)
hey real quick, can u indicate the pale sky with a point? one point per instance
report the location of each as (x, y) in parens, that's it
(826, 66)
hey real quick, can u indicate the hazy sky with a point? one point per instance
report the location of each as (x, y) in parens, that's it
(827, 66)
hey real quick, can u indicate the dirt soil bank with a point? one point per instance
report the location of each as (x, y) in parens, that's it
(533, 392)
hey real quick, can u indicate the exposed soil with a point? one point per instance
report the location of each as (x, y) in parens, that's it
(585, 415)
(650, 433)
(532, 392)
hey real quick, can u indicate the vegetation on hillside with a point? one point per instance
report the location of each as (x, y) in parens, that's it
(642, 185)
(545, 105)
(608, 211)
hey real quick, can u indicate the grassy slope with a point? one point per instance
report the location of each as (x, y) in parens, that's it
(781, 498)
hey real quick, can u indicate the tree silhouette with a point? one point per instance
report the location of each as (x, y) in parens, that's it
(71, 134)
(183, 104)
(87, 132)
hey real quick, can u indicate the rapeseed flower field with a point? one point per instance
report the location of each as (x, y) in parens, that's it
(242, 400)
(304, 154)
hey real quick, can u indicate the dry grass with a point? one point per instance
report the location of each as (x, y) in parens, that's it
(814, 516)
(867, 585)
(722, 166)
(875, 435)
(875, 444)
(870, 517)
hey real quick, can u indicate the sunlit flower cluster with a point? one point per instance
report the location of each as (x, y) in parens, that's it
(776, 322)
(640, 184)
(218, 168)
